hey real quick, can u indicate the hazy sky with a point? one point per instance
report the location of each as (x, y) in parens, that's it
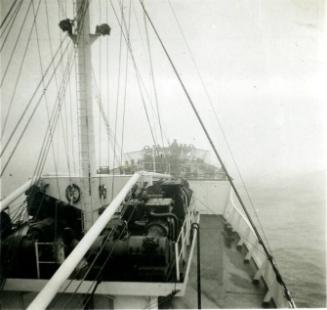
(262, 61)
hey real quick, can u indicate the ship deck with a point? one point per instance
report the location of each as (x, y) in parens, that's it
(225, 279)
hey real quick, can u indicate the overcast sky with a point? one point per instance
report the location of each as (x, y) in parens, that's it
(263, 63)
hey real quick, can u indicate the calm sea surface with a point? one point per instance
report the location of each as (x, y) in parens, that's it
(294, 219)
(293, 215)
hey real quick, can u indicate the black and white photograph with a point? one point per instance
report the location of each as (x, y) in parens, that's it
(163, 154)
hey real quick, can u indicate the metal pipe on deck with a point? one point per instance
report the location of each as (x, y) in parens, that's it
(4, 203)
(43, 299)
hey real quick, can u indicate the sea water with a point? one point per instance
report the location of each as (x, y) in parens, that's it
(292, 214)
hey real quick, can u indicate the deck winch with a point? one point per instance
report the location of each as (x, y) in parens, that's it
(139, 243)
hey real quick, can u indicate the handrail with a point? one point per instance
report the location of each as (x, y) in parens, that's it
(275, 289)
(184, 235)
(43, 299)
(181, 230)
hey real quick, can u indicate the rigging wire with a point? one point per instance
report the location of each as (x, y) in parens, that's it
(147, 93)
(117, 102)
(105, 120)
(85, 273)
(11, 22)
(56, 113)
(40, 58)
(218, 121)
(99, 276)
(73, 149)
(154, 86)
(125, 91)
(65, 122)
(48, 138)
(64, 125)
(28, 121)
(61, 11)
(47, 141)
(141, 82)
(65, 139)
(20, 31)
(64, 82)
(77, 115)
(138, 76)
(100, 93)
(32, 97)
(107, 84)
(138, 26)
(8, 13)
(99, 252)
(21, 66)
(37, 170)
(118, 84)
(268, 254)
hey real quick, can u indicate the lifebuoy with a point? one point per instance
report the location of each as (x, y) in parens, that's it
(73, 193)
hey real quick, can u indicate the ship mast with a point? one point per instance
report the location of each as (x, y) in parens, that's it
(86, 132)
(79, 32)
(84, 89)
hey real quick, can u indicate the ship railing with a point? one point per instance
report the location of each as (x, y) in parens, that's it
(247, 238)
(183, 241)
(38, 250)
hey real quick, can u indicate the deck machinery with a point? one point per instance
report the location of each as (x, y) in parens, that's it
(136, 245)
